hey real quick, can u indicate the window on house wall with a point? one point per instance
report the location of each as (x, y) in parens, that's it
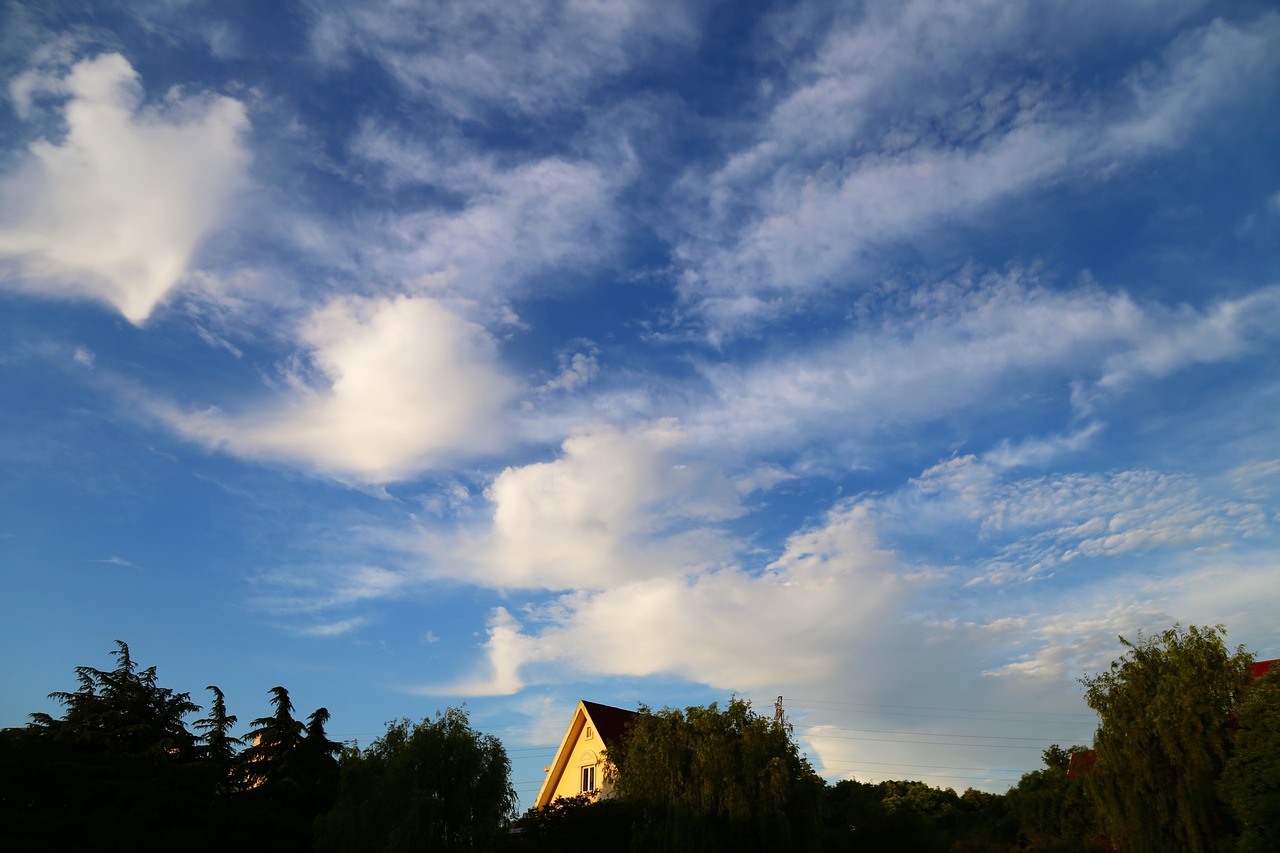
(588, 779)
(589, 735)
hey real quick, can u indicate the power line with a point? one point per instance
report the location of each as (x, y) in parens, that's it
(852, 705)
(920, 734)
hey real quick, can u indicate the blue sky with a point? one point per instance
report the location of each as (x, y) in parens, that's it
(894, 357)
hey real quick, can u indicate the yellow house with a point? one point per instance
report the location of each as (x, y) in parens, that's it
(579, 764)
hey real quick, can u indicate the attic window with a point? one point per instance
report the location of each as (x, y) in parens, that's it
(589, 735)
(588, 779)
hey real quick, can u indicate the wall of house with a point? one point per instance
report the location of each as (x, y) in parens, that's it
(588, 751)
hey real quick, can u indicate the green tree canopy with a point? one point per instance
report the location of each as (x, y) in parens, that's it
(1251, 780)
(435, 785)
(1163, 738)
(1051, 810)
(707, 779)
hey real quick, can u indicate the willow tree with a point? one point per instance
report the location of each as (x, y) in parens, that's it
(1251, 782)
(434, 785)
(707, 779)
(1163, 738)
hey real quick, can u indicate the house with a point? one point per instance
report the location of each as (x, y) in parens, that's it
(579, 765)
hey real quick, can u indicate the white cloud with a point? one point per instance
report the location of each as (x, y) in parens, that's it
(1225, 331)
(1039, 451)
(958, 347)
(881, 142)
(1066, 642)
(576, 370)
(616, 506)
(115, 210)
(964, 344)
(1066, 517)
(505, 651)
(320, 588)
(796, 622)
(338, 628)
(400, 385)
(523, 221)
(475, 55)
(116, 561)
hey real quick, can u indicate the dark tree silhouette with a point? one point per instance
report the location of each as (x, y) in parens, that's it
(1251, 780)
(1051, 810)
(117, 771)
(435, 785)
(289, 775)
(217, 746)
(707, 779)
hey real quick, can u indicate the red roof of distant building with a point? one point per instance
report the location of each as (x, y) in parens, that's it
(1081, 763)
(1260, 667)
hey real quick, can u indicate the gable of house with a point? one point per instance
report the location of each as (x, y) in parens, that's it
(578, 767)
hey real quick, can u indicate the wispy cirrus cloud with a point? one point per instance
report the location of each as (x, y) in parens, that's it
(525, 58)
(969, 343)
(115, 209)
(1055, 520)
(847, 163)
(116, 561)
(338, 628)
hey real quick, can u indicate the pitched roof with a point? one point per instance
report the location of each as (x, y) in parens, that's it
(609, 723)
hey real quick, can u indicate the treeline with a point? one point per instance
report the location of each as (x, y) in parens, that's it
(1186, 757)
(120, 770)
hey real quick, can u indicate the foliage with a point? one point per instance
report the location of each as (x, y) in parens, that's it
(1251, 780)
(1051, 810)
(706, 779)
(435, 785)
(580, 822)
(290, 773)
(117, 771)
(910, 815)
(275, 740)
(122, 712)
(218, 747)
(1163, 739)
(120, 771)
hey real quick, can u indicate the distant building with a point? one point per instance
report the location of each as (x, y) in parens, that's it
(1261, 667)
(579, 765)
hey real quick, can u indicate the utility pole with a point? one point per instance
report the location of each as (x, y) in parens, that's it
(777, 711)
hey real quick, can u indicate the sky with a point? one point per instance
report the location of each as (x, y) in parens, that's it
(895, 358)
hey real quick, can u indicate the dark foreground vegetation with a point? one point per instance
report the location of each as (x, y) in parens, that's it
(1186, 758)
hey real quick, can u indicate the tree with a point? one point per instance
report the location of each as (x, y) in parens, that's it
(1163, 738)
(580, 822)
(216, 743)
(123, 711)
(274, 742)
(289, 771)
(1251, 780)
(1051, 810)
(435, 785)
(706, 779)
(117, 771)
